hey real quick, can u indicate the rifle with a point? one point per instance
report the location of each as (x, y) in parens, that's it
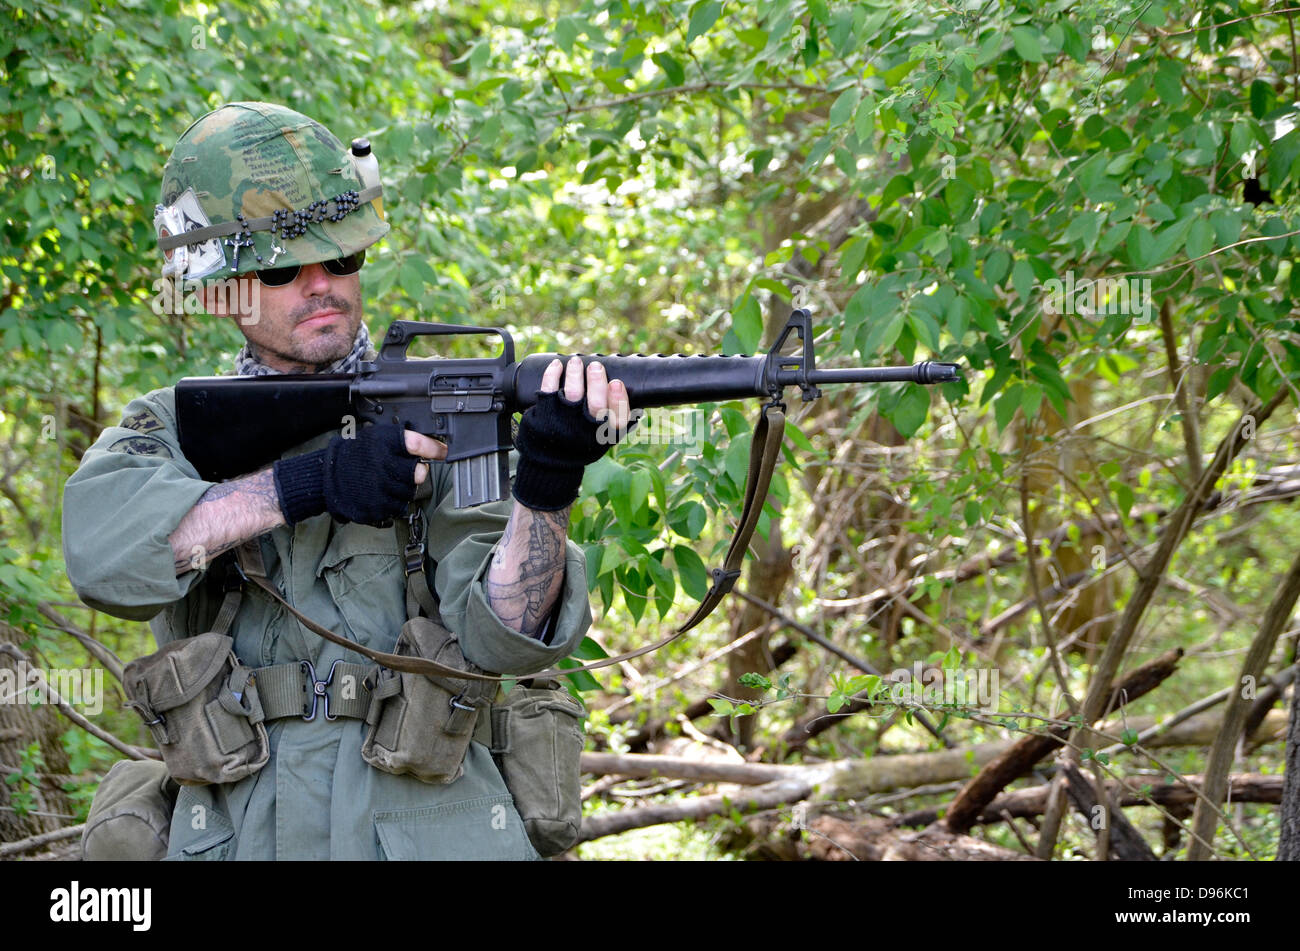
(230, 426)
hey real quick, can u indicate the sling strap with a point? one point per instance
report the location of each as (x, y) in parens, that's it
(763, 452)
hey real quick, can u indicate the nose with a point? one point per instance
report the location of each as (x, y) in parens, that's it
(315, 279)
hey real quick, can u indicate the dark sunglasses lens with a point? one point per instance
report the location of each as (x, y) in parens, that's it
(278, 276)
(348, 265)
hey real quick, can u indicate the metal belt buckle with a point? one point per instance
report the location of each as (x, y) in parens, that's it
(319, 689)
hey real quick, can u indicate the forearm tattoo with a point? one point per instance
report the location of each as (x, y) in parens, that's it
(527, 570)
(226, 515)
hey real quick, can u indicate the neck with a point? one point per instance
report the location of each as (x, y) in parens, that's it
(285, 366)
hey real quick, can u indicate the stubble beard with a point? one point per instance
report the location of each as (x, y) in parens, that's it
(319, 351)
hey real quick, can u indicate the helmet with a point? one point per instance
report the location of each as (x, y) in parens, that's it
(255, 185)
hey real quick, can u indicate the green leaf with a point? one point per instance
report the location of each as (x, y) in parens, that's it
(721, 708)
(688, 519)
(736, 460)
(1028, 47)
(1141, 246)
(1168, 81)
(884, 333)
(1005, 406)
(817, 154)
(747, 322)
(858, 308)
(996, 266)
(842, 108)
(589, 650)
(692, 574)
(1261, 98)
(672, 69)
(566, 32)
(864, 120)
(582, 680)
(1022, 279)
(602, 474)
(909, 415)
(1124, 498)
(703, 16)
(853, 253)
(1200, 238)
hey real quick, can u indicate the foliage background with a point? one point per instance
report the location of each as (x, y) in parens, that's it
(652, 176)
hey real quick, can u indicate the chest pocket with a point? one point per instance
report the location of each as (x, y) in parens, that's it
(366, 582)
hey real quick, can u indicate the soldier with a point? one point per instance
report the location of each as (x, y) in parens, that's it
(264, 194)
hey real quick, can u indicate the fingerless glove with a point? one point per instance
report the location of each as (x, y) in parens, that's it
(367, 479)
(557, 440)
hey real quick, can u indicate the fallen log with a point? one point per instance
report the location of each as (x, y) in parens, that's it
(883, 772)
(1031, 802)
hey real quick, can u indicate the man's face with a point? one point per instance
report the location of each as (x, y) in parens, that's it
(303, 326)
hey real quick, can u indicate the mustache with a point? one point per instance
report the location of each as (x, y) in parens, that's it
(332, 302)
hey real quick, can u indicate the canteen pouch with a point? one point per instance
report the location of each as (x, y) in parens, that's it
(537, 740)
(201, 705)
(421, 725)
(131, 815)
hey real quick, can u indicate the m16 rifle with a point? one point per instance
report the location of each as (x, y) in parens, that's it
(230, 426)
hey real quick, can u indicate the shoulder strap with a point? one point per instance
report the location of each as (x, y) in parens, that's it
(232, 595)
(763, 452)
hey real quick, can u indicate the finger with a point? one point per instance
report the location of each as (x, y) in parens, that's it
(421, 472)
(551, 378)
(423, 446)
(573, 380)
(620, 405)
(597, 389)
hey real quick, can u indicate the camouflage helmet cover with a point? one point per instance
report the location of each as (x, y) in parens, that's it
(293, 182)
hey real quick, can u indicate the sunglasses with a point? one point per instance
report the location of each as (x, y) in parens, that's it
(339, 267)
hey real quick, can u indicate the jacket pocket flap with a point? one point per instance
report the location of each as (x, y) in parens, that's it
(352, 540)
(219, 830)
(485, 828)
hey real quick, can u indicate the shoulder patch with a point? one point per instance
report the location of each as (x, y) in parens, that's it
(143, 422)
(141, 446)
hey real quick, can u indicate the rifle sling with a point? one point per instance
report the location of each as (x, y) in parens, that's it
(763, 452)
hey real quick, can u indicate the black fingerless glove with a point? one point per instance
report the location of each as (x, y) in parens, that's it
(368, 479)
(557, 440)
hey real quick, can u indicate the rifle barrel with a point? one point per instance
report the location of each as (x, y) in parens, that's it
(925, 372)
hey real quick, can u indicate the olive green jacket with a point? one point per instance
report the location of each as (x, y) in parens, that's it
(316, 798)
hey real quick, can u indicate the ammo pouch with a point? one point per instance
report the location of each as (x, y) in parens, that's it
(130, 818)
(537, 742)
(202, 707)
(421, 725)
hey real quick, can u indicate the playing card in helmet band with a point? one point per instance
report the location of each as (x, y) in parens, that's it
(190, 261)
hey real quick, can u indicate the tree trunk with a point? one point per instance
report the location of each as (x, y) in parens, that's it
(1288, 847)
(37, 803)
